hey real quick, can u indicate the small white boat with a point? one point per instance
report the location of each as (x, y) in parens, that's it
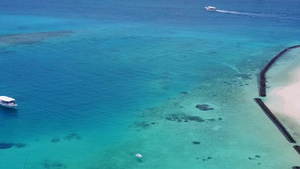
(210, 8)
(138, 155)
(8, 102)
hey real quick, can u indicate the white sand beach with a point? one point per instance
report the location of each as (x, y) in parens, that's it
(285, 100)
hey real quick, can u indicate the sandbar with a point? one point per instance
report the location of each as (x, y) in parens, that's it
(285, 100)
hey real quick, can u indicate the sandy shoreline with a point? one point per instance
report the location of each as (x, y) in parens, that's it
(285, 100)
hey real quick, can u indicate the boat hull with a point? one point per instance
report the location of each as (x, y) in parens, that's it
(210, 8)
(12, 106)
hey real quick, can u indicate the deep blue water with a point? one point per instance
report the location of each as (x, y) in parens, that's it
(123, 57)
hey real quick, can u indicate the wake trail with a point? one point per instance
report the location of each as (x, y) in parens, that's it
(257, 15)
(242, 13)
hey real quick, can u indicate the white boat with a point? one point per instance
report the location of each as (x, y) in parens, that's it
(210, 8)
(138, 155)
(8, 102)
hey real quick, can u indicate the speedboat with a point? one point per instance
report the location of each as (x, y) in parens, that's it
(210, 8)
(9, 102)
(138, 155)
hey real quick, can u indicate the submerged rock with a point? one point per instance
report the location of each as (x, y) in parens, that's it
(211, 120)
(204, 107)
(6, 145)
(195, 118)
(196, 142)
(184, 92)
(55, 140)
(169, 118)
(20, 145)
(29, 38)
(206, 159)
(183, 118)
(143, 124)
(53, 165)
(10, 145)
(254, 158)
(73, 136)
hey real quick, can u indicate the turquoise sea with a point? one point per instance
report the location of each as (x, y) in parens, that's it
(99, 81)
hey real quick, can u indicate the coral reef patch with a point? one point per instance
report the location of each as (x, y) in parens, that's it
(6, 145)
(10, 145)
(196, 142)
(183, 92)
(204, 107)
(142, 124)
(72, 136)
(30, 38)
(55, 140)
(19, 145)
(53, 165)
(254, 158)
(183, 118)
(207, 158)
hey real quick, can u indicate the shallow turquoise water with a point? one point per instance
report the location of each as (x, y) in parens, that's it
(95, 97)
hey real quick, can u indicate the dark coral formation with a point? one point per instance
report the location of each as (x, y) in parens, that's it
(55, 165)
(240, 82)
(186, 118)
(10, 145)
(184, 92)
(55, 140)
(73, 136)
(30, 38)
(206, 159)
(227, 83)
(183, 118)
(204, 107)
(254, 158)
(6, 145)
(194, 118)
(19, 145)
(213, 120)
(142, 124)
(196, 142)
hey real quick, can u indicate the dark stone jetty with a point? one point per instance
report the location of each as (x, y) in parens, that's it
(262, 93)
(275, 120)
(262, 81)
(297, 148)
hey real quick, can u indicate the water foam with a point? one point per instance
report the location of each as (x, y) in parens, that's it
(262, 15)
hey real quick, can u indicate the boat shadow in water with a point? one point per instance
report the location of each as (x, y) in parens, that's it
(8, 112)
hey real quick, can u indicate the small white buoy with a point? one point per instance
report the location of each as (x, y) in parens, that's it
(138, 155)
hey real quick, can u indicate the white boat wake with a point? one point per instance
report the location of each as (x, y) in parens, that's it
(257, 15)
(242, 13)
